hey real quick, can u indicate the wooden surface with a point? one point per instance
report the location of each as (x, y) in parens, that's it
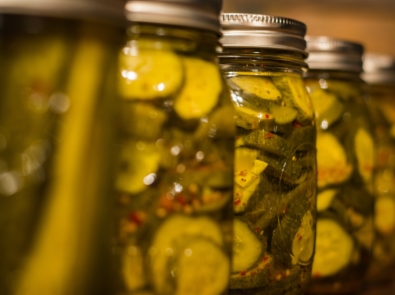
(370, 22)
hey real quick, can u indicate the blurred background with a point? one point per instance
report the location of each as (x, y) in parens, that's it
(370, 22)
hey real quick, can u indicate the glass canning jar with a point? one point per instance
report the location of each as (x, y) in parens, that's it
(57, 81)
(275, 155)
(379, 74)
(174, 183)
(345, 159)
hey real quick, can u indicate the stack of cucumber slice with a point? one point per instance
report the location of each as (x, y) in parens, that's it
(345, 158)
(275, 182)
(174, 179)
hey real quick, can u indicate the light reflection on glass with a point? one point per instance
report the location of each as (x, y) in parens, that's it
(213, 131)
(199, 155)
(149, 179)
(324, 124)
(130, 75)
(59, 103)
(161, 86)
(10, 183)
(178, 187)
(323, 83)
(175, 150)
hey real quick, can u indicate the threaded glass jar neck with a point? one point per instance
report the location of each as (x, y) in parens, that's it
(262, 60)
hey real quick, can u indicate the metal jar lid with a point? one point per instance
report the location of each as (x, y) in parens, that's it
(99, 10)
(326, 53)
(242, 30)
(198, 14)
(379, 68)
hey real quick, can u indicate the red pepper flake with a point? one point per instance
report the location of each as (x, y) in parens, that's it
(267, 116)
(269, 135)
(237, 202)
(299, 238)
(136, 217)
(243, 273)
(257, 230)
(265, 258)
(181, 200)
(296, 124)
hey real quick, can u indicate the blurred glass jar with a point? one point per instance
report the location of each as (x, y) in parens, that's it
(345, 159)
(57, 81)
(175, 178)
(275, 158)
(379, 74)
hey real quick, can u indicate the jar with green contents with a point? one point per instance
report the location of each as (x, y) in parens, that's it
(379, 74)
(174, 181)
(345, 159)
(57, 80)
(275, 158)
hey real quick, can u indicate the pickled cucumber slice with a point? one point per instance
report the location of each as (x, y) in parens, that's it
(303, 242)
(327, 107)
(364, 151)
(138, 164)
(250, 119)
(284, 170)
(333, 250)
(343, 89)
(133, 268)
(331, 161)
(267, 141)
(283, 114)
(260, 86)
(289, 224)
(168, 242)
(245, 177)
(294, 94)
(247, 248)
(244, 159)
(384, 217)
(201, 90)
(202, 261)
(149, 74)
(325, 198)
(221, 124)
(256, 277)
(242, 195)
(142, 120)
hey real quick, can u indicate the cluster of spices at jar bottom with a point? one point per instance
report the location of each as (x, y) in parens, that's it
(275, 184)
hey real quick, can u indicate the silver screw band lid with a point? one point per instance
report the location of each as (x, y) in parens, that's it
(326, 53)
(378, 68)
(198, 14)
(99, 10)
(242, 30)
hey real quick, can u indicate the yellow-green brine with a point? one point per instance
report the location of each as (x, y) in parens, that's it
(174, 177)
(274, 196)
(345, 161)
